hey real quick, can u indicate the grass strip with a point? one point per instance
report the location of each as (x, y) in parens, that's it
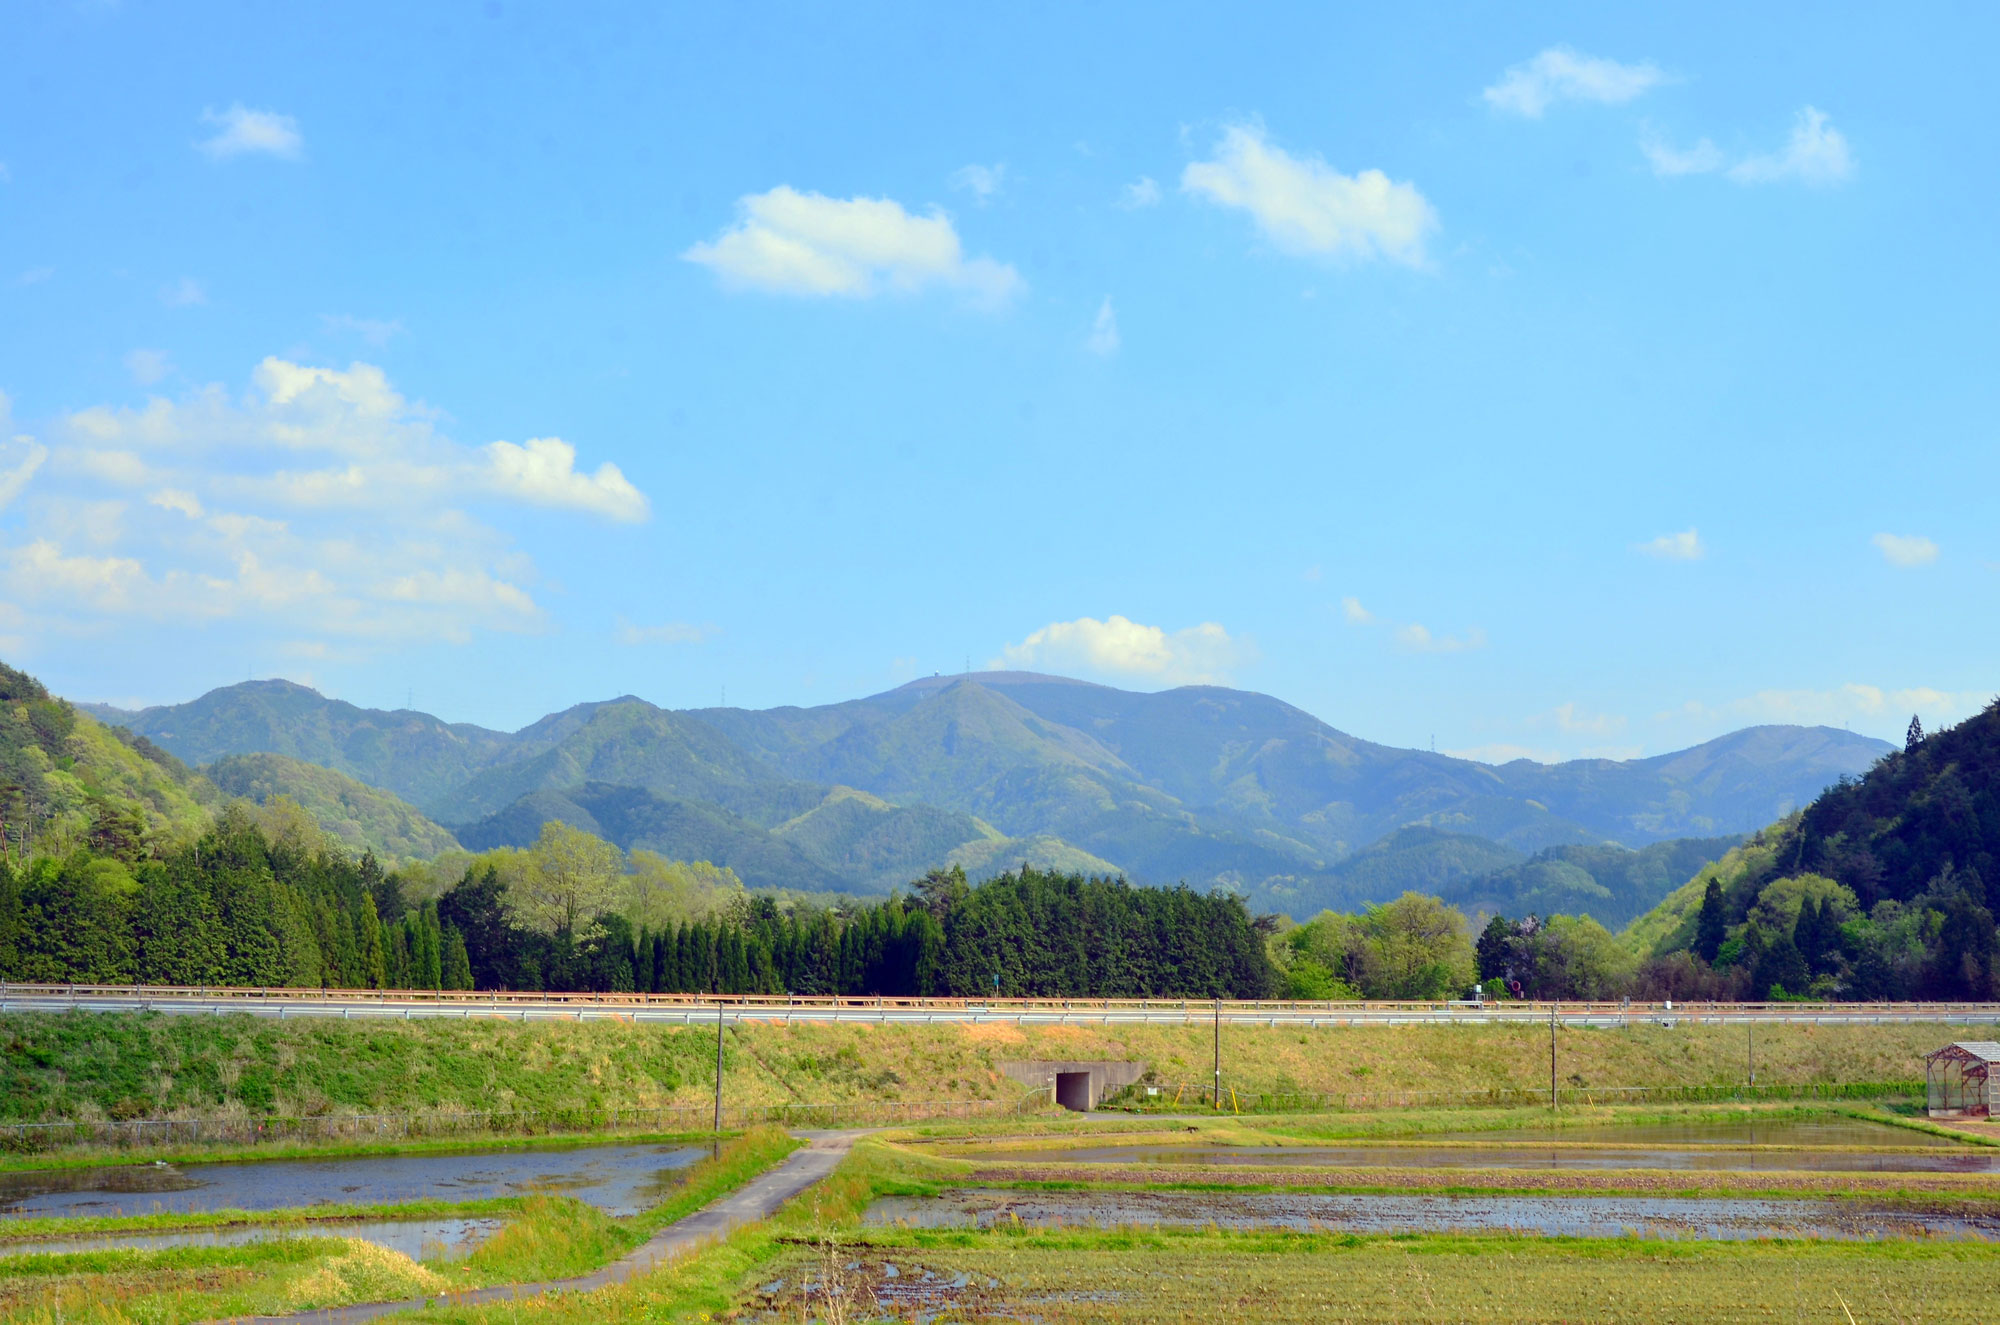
(94, 1157)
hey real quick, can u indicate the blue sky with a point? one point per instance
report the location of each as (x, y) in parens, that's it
(1589, 380)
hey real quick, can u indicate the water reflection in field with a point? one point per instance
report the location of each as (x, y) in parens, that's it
(621, 1180)
(1571, 1216)
(1523, 1156)
(424, 1239)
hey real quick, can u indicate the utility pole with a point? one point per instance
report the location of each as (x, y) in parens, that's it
(1218, 1053)
(1552, 1057)
(718, 1065)
(1750, 1043)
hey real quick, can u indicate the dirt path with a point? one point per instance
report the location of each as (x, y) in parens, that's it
(756, 1199)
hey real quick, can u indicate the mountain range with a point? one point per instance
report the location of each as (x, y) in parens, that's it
(1201, 783)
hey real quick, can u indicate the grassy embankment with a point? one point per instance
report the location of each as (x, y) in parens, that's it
(94, 1066)
(546, 1237)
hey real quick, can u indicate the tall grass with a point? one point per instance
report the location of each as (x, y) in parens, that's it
(94, 1065)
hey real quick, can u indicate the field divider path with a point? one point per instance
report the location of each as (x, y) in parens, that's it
(757, 1199)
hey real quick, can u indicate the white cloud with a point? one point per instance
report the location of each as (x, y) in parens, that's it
(1143, 193)
(241, 130)
(1419, 639)
(787, 242)
(1413, 636)
(148, 366)
(125, 469)
(1562, 74)
(39, 570)
(35, 275)
(183, 293)
(1570, 718)
(1684, 546)
(174, 499)
(1203, 654)
(320, 501)
(543, 472)
(1667, 160)
(456, 587)
(19, 459)
(982, 182)
(1103, 339)
(375, 331)
(1907, 551)
(1816, 153)
(670, 632)
(1305, 207)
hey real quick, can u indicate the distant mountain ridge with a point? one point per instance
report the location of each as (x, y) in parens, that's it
(1202, 783)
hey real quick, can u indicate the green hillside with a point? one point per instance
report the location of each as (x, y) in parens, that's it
(1885, 886)
(637, 819)
(415, 755)
(1416, 859)
(360, 817)
(1609, 883)
(66, 778)
(881, 845)
(629, 743)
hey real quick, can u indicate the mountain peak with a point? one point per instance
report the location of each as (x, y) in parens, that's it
(945, 680)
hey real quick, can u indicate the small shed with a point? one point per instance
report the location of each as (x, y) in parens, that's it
(1960, 1080)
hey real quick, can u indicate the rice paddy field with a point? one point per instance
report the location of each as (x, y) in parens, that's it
(1836, 1211)
(1809, 1214)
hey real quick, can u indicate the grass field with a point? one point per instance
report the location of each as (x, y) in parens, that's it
(1307, 1278)
(94, 1066)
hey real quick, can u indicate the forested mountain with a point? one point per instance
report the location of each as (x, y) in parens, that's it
(66, 778)
(1886, 886)
(1609, 883)
(1203, 784)
(359, 817)
(412, 754)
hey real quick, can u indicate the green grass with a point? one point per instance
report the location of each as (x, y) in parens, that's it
(1280, 1278)
(97, 1156)
(95, 1065)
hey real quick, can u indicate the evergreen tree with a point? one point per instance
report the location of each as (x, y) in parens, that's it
(1914, 737)
(1712, 927)
(179, 936)
(457, 962)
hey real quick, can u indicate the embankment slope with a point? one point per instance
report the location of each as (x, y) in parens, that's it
(96, 1066)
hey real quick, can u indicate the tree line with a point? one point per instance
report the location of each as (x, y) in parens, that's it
(245, 906)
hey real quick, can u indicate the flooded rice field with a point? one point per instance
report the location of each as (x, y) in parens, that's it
(620, 1180)
(1852, 1146)
(419, 1239)
(1849, 1132)
(1569, 1216)
(1960, 1159)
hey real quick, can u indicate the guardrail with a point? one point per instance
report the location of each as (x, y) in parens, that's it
(363, 1128)
(273, 1001)
(1181, 1096)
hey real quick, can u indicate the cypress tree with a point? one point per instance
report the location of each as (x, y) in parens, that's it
(1712, 927)
(457, 963)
